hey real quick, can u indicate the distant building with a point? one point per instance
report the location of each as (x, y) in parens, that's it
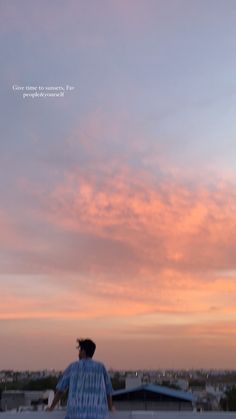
(153, 397)
(133, 380)
(15, 400)
(182, 384)
(12, 399)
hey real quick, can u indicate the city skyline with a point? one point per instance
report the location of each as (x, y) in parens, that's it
(118, 203)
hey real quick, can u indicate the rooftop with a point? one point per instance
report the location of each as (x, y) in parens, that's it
(125, 415)
(178, 394)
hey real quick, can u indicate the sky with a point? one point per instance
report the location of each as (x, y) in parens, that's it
(118, 198)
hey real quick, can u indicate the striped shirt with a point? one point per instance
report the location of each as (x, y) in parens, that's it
(89, 384)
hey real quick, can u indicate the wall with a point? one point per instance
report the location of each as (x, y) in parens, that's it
(121, 405)
(125, 415)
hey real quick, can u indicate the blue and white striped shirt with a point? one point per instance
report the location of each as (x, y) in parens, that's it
(89, 384)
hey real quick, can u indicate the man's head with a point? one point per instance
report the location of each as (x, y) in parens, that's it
(86, 348)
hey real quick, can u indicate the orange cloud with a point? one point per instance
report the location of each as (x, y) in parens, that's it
(164, 222)
(9, 235)
(151, 246)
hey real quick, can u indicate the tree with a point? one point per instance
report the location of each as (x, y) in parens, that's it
(118, 382)
(229, 401)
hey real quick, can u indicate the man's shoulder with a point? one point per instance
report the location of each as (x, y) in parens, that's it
(98, 364)
(73, 365)
(81, 363)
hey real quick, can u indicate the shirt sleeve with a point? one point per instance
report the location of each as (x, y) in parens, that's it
(107, 380)
(64, 381)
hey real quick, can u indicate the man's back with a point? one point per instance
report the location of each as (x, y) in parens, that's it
(89, 385)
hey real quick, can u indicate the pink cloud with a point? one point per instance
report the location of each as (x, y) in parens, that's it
(164, 222)
(179, 242)
(9, 235)
(154, 245)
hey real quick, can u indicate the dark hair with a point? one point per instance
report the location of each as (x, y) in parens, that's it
(88, 346)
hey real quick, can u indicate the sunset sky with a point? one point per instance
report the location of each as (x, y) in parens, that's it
(118, 200)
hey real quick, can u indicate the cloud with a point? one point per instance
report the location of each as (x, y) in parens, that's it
(9, 235)
(150, 245)
(108, 229)
(165, 223)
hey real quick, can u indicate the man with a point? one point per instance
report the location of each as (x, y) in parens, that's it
(88, 384)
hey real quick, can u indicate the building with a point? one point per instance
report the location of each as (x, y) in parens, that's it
(16, 400)
(133, 380)
(153, 397)
(12, 399)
